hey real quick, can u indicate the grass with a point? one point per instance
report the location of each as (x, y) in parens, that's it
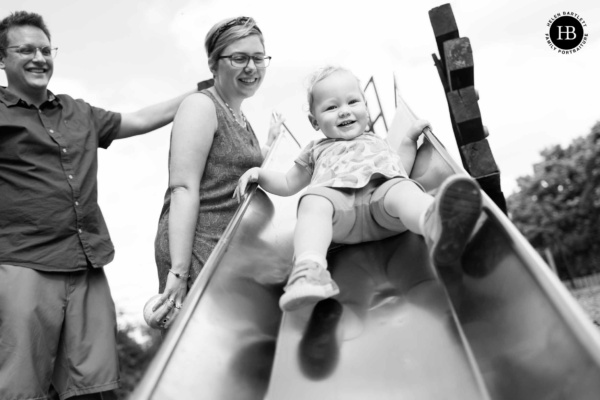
(589, 299)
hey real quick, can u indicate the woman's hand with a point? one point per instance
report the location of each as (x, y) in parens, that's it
(417, 129)
(169, 305)
(249, 176)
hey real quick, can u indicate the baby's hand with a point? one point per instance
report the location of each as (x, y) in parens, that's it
(249, 176)
(275, 127)
(417, 129)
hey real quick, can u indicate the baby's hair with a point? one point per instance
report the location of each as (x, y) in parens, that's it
(321, 74)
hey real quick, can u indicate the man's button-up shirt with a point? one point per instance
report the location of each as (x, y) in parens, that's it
(49, 215)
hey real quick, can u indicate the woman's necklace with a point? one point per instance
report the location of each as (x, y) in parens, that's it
(241, 123)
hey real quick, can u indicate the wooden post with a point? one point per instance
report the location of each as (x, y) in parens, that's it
(444, 27)
(456, 70)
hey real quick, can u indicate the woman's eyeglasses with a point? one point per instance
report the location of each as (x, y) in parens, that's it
(243, 60)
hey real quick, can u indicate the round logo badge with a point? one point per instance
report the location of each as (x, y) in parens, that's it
(566, 33)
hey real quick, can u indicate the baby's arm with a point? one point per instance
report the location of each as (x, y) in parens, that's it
(408, 145)
(274, 182)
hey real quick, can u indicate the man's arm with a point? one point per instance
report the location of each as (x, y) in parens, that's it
(150, 118)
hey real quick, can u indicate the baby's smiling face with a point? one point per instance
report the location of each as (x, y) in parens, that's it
(339, 107)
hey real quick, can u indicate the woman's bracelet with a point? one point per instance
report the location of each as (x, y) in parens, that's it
(179, 276)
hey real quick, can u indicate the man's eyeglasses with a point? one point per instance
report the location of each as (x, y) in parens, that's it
(243, 60)
(27, 50)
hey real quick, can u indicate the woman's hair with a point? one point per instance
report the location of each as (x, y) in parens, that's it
(17, 19)
(224, 33)
(318, 76)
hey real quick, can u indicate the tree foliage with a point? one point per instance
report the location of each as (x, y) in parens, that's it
(558, 207)
(134, 357)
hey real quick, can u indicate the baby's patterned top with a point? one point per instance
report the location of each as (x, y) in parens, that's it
(350, 163)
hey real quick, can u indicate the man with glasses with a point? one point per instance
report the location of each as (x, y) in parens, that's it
(57, 317)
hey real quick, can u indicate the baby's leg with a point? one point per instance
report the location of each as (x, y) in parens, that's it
(407, 202)
(446, 222)
(313, 233)
(309, 281)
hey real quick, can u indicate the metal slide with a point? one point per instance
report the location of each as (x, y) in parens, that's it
(498, 326)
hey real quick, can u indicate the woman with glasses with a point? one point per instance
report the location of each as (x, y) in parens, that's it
(212, 145)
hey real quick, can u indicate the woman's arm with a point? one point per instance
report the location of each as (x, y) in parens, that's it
(191, 139)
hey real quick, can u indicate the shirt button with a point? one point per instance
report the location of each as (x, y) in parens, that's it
(51, 131)
(64, 150)
(70, 176)
(79, 230)
(76, 203)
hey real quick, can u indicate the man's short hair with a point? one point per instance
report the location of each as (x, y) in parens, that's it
(16, 19)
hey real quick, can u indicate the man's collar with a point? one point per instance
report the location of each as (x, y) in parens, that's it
(52, 98)
(10, 99)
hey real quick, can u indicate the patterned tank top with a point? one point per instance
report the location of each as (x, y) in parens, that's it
(234, 150)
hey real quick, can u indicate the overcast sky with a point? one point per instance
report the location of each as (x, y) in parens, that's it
(122, 55)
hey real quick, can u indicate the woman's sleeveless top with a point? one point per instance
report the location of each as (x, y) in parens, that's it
(234, 150)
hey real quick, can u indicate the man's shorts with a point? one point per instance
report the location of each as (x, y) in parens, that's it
(359, 214)
(56, 328)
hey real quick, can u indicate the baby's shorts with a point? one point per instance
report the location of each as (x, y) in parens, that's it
(359, 214)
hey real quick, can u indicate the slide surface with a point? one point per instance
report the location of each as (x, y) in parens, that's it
(497, 326)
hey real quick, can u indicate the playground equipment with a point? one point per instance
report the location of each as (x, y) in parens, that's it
(498, 326)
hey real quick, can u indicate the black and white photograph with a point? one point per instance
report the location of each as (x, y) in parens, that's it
(205, 199)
